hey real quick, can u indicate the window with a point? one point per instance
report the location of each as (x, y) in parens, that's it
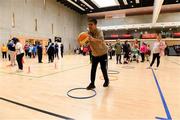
(13, 20)
(52, 27)
(106, 3)
(36, 29)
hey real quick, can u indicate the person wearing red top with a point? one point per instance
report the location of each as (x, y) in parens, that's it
(143, 50)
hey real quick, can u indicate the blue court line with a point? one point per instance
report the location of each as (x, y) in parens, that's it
(168, 115)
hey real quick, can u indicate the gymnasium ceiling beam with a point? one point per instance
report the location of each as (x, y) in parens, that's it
(156, 10)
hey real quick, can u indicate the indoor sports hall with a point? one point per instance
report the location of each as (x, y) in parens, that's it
(89, 59)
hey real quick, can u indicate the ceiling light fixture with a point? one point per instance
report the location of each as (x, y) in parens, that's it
(137, 1)
(86, 4)
(76, 5)
(125, 2)
(105, 3)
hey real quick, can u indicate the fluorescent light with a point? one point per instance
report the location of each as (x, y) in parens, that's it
(137, 1)
(86, 4)
(106, 3)
(125, 2)
(76, 5)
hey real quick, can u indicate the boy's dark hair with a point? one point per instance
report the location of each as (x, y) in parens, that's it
(93, 21)
(15, 40)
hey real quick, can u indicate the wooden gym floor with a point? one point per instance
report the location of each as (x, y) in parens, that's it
(39, 93)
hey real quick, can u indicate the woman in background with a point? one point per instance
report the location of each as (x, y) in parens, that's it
(157, 50)
(19, 54)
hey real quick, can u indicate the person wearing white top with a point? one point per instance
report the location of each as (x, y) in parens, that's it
(157, 50)
(19, 53)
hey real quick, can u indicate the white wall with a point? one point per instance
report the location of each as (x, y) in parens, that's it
(67, 23)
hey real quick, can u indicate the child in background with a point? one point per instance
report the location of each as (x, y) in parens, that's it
(4, 50)
(143, 50)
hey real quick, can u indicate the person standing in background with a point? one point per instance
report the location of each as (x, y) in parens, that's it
(39, 52)
(19, 54)
(30, 51)
(148, 52)
(62, 50)
(34, 50)
(8, 51)
(126, 51)
(26, 48)
(118, 50)
(110, 51)
(11, 51)
(50, 52)
(158, 51)
(56, 54)
(4, 50)
(143, 50)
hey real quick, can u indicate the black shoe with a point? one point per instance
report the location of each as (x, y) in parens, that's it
(106, 84)
(90, 87)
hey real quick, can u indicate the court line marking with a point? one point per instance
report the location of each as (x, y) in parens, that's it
(36, 109)
(73, 68)
(168, 115)
(173, 62)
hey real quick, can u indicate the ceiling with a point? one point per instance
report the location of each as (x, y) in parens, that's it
(94, 6)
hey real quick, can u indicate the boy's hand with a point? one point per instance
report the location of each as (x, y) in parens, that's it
(90, 38)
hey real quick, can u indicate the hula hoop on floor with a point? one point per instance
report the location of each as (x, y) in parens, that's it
(85, 97)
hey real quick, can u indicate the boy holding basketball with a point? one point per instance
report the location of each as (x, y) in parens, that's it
(99, 53)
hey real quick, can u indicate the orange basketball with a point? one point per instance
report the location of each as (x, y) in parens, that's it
(83, 38)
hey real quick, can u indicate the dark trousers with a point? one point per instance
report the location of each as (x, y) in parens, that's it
(29, 54)
(62, 53)
(56, 54)
(4, 55)
(142, 56)
(19, 60)
(90, 56)
(9, 57)
(155, 56)
(39, 57)
(126, 55)
(103, 62)
(26, 52)
(118, 58)
(110, 54)
(51, 57)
